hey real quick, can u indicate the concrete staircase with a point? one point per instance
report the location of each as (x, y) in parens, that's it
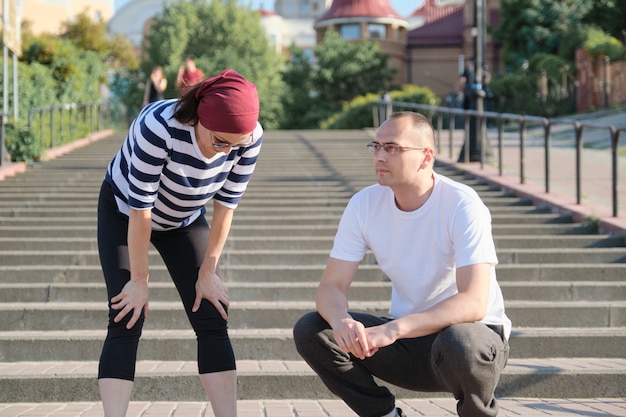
(564, 284)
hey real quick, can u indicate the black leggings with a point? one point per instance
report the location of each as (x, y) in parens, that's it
(182, 251)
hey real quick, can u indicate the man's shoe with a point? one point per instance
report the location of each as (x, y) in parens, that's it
(399, 412)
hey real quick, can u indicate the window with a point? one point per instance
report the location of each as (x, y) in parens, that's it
(350, 31)
(377, 31)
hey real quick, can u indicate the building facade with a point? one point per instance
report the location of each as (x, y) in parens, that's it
(48, 16)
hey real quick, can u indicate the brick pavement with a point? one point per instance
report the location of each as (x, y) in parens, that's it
(438, 407)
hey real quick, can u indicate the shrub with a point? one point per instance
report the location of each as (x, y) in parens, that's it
(357, 113)
(21, 144)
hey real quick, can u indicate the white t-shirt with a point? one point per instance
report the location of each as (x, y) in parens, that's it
(420, 250)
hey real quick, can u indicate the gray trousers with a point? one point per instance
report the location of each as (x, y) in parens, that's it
(464, 359)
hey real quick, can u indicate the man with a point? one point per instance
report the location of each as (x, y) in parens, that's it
(447, 330)
(188, 75)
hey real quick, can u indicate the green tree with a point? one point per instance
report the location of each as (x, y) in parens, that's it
(349, 69)
(610, 15)
(76, 73)
(220, 35)
(528, 27)
(298, 75)
(86, 34)
(342, 70)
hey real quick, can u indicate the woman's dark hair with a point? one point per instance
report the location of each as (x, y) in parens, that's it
(186, 109)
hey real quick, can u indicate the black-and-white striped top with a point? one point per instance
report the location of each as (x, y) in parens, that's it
(161, 167)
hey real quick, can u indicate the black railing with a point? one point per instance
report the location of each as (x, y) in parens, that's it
(63, 123)
(382, 108)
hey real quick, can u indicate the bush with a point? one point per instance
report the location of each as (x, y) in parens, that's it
(21, 144)
(357, 114)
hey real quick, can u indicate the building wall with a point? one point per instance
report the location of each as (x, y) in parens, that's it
(49, 15)
(301, 9)
(435, 68)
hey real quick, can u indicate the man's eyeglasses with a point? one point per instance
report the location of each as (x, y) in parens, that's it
(222, 144)
(390, 148)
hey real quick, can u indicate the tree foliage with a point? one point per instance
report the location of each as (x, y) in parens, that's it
(340, 71)
(220, 35)
(528, 27)
(348, 69)
(610, 15)
(92, 36)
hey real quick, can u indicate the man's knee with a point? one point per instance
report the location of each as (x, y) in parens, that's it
(307, 326)
(307, 333)
(466, 346)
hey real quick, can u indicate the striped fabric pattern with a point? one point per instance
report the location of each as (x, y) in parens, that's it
(161, 167)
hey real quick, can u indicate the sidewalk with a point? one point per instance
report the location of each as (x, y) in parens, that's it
(14, 168)
(438, 407)
(596, 187)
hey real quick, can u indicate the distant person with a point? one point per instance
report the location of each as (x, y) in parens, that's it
(156, 85)
(179, 155)
(447, 330)
(188, 75)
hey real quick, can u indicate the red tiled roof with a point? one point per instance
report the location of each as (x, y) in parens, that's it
(431, 12)
(446, 31)
(265, 12)
(360, 8)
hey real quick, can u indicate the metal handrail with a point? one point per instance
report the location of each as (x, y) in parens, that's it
(66, 118)
(382, 108)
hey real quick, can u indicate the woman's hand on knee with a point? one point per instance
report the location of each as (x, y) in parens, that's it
(209, 286)
(133, 298)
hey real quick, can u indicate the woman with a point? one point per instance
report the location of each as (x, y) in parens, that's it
(156, 85)
(178, 155)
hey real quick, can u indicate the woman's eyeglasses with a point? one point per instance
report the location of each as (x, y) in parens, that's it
(220, 144)
(390, 148)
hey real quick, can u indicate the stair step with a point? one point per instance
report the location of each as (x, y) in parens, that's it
(276, 379)
(263, 314)
(318, 256)
(277, 344)
(602, 272)
(306, 291)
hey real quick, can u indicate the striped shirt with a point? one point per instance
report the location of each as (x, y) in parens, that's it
(161, 167)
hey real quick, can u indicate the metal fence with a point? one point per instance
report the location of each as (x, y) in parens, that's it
(63, 123)
(441, 115)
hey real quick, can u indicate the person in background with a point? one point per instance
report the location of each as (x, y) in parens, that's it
(447, 330)
(188, 75)
(178, 156)
(156, 85)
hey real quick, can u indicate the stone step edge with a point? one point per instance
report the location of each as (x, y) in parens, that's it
(297, 284)
(286, 333)
(147, 368)
(282, 305)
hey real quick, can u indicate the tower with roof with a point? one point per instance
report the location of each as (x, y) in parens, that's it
(369, 20)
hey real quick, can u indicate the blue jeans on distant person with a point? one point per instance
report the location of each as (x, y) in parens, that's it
(464, 359)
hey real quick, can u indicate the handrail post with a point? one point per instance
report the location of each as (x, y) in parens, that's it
(615, 160)
(466, 139)
(451, 126)
(579, 149)
(547, 144)
(522, 143)
(500, 145)
(439, 129)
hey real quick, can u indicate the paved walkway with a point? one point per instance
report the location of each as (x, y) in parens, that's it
(518, 407)
(596, 164)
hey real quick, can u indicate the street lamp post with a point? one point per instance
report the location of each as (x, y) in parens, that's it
(478, 148)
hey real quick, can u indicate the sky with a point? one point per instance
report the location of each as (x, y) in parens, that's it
(403, 7)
